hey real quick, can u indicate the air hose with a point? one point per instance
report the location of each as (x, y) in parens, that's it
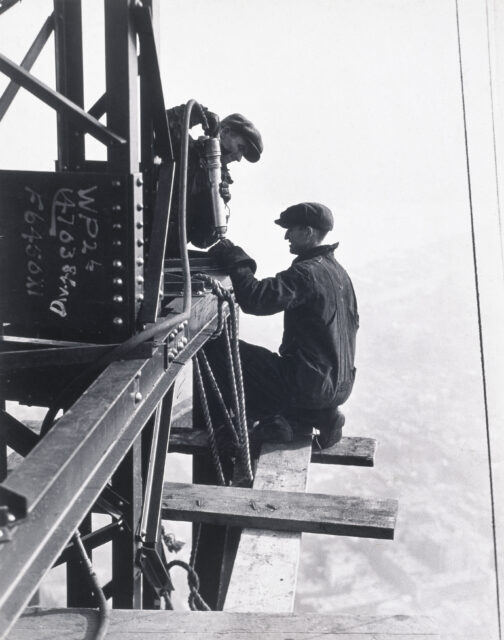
(67, 395)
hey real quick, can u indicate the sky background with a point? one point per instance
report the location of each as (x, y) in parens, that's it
(359, 106)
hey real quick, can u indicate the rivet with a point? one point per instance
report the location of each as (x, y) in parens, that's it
(139, 182)
(139, 224)
(184, 341)
(171, 355)
(118, 299)
(1, 533)
(116, 207)
(116, 183)
(172, 335)
(118, 282)
(138, 396)
(140, 280)
(181, 326)
(117, 226)
(140, 262)
(140, 242)
(117, 264)
(140, 297)
(139, 207)
(117, 243)
(11, 517)
(118, 321)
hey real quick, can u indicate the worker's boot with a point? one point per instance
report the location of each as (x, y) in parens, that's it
(272, 429)
(331, 431)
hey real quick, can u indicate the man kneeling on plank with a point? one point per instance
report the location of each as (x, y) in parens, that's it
(302, 387)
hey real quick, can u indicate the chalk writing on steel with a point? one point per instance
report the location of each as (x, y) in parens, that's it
(32, 233)
(75, 224)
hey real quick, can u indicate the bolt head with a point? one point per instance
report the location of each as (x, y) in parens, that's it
(118, 299)
(117, 264)
(118, 282)
(118, 321)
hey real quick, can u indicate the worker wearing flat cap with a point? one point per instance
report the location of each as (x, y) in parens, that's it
(302, 386)
(238, 139)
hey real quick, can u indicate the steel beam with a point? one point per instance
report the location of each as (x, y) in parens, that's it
(69, 80)
(27, 63)
(58, 102)
(64, 474)
(121, 71)
(126, 576)
(17, 435)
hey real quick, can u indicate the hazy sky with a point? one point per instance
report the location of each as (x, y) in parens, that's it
(358, 104)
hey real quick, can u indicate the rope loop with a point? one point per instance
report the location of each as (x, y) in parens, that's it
(196, 602)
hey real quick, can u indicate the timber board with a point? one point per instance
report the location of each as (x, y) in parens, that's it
(280, 510)
(266, 564)
(354, 451)
(81, 624)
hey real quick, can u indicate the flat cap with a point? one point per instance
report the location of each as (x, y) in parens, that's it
(240, 124)
(310, 214)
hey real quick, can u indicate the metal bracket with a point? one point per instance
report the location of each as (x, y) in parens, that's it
(153, 569)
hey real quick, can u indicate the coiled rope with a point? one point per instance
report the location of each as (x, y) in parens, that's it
(235, 374)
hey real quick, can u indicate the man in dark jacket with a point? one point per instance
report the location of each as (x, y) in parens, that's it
(314, 371)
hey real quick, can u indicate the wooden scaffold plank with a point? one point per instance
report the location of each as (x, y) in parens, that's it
(81, 624)
(280, 510)
(355, 451)
(266, 565)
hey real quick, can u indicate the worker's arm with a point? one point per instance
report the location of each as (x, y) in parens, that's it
(286, 290)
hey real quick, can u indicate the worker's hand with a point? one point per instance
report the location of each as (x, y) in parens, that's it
(228, 256)
(224, 192)
(220, 250)
(213, 123)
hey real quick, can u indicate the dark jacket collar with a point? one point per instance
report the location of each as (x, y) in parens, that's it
(315, 251)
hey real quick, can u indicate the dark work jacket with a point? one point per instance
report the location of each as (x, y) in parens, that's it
(320, 322)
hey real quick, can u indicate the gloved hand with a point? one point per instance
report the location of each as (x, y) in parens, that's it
(220, 251)
(229, 256)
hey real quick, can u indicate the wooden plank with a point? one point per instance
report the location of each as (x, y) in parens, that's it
(81, 624)
(359, 452)
(280, 510)
(265, 569)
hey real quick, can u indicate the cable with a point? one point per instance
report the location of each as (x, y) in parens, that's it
(103, 608)
(480, 328)
(67, 396)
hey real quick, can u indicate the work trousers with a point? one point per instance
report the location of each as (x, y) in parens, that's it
(267, 391)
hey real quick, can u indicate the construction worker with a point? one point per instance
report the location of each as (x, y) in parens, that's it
(238, 138)
(301, 388)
